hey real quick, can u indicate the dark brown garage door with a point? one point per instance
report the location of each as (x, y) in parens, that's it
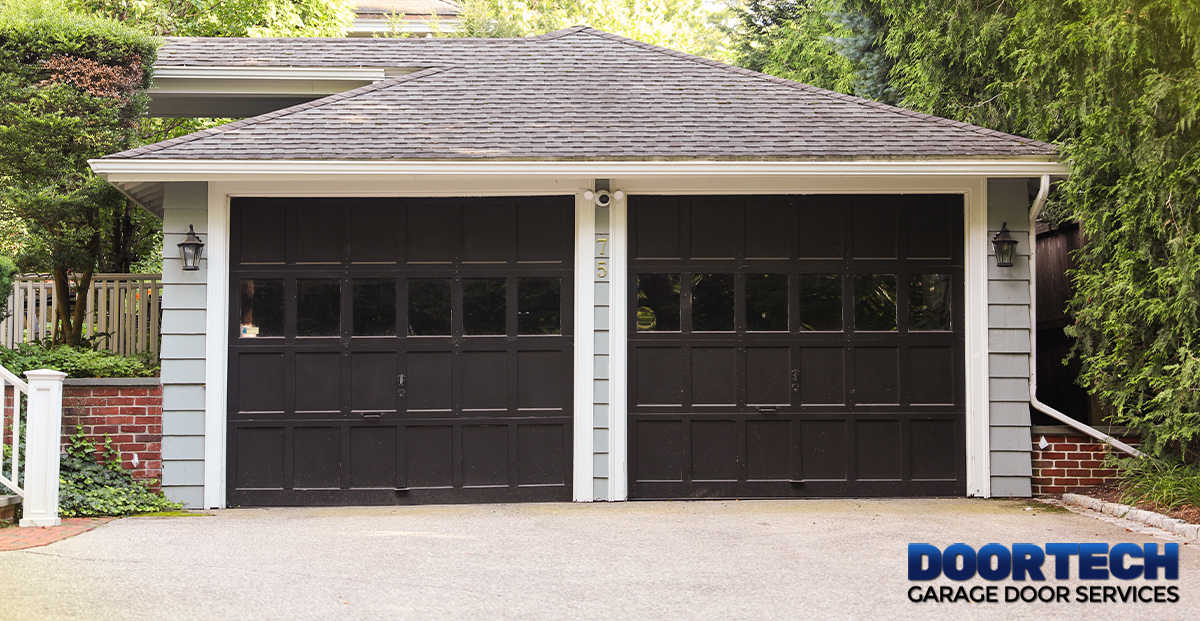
(400, 351)
(796, 346)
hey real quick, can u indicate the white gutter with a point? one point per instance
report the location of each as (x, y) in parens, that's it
(143, 169)
(1034, 211)
(339, 74)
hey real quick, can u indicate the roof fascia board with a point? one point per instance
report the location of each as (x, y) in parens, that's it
(142, 170)
(340, 74)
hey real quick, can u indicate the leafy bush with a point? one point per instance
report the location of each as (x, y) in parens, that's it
(75, 362)
(87, 488)
(8, 273)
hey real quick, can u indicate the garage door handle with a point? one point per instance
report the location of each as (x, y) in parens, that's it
(372, 414)
(768, 408)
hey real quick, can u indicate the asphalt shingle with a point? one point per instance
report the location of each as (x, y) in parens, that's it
(576, 94)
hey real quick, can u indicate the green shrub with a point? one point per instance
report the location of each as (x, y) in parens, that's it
(74, 361)
(87, 488)
(8, 273)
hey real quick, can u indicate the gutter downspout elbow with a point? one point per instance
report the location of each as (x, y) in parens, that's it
(1034, 211)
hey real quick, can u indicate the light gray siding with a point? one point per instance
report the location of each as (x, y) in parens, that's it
(603, 325)
(185, 299)
(1009, 343)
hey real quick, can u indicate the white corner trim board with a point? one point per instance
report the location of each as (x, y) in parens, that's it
(216, 364)
(141, 170)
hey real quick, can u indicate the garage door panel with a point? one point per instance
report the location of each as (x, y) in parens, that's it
(373, 457)
(934, 449)
(929, 229)
(385, 373)
(258, 457)
(542, 455)
(822, 376)
(542, 234)
(317, 457)
(820, 221)
(873, 230)
(714, 375)
(373, 381)
(318, 382)
(260, 382)
(878, 450)
(485, 380)
(485, 455)
(876, 375)
(769, 450)
(310, 235)
(432, 234)
(658, 450)
(823, 449)
(713, 230)
(540, 376)
(934, 384)
(262, 234)
(716, 453)
(657, 231)
(377, 233)
(659, 376)
(429, 381)
(429, 454)
(769, 231)
(486, 237)
(768, 371)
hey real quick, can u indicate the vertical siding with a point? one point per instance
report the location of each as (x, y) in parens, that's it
(1009, 343)
(601, 377)
(183, 333)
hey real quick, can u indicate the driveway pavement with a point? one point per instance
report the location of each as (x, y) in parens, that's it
(827, 559)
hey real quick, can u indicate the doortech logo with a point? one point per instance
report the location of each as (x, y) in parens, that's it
(1024, 561)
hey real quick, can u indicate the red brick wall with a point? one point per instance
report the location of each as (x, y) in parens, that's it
(1071, 462)
(130, 415)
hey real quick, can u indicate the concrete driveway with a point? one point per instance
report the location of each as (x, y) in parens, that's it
(827, 559)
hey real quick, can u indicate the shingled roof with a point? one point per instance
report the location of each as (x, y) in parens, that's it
(575, 94)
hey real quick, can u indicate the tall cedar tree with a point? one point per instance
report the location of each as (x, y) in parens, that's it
(72, 87)
(1116, 85)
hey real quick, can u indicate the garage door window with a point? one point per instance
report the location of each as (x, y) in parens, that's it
(318, 308)
(767, 302)
(875, 302)
(484, 306)
(539, 302)
(658, 303)
(821, 302)
(429, 307)
(712, 302)
(262, 307)
(374, 307)
(929, 302)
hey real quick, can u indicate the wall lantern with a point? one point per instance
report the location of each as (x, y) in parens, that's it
(189, 250)
(1005, 245)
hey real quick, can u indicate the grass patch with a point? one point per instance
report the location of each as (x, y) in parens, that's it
(1161, 483)
(171, 514)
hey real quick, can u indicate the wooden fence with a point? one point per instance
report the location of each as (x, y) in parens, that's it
(123, 311)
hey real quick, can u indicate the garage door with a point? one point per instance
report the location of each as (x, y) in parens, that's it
(796, 346)
(400, 351)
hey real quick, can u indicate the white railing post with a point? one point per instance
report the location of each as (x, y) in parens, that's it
(43, 439)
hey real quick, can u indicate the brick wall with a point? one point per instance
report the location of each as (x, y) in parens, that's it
(1071, 461)
(128, 411)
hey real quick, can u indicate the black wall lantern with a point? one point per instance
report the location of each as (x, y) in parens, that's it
(1005, 245)
(189, 250)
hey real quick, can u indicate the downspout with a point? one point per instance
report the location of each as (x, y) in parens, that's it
(1034, 211)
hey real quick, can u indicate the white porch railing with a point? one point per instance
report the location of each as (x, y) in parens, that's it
(123, 306)
(36, 478)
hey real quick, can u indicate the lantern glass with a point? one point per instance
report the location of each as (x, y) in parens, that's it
(189, 250)
(1006, 247)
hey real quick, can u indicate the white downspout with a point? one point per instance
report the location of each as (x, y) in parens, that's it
(1033, 400)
